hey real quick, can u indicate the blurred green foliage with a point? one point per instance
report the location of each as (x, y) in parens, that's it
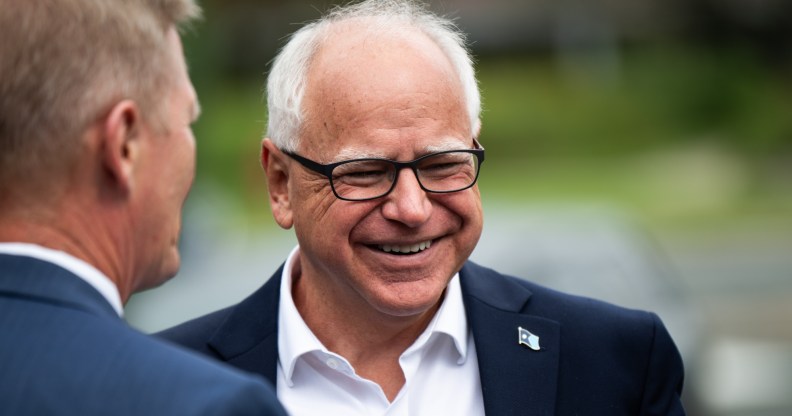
(656, 98)
(674, 134)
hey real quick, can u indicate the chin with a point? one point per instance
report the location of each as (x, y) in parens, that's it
(168, 268)
(403, 311)
(395, 305)
(171, 267)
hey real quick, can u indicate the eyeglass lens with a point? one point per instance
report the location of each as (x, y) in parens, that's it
(371, 178)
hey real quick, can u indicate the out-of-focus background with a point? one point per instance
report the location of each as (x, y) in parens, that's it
(639, 152)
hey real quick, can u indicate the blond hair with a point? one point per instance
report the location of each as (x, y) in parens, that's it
(64, 63)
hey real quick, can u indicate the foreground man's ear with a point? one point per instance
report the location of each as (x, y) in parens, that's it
(275, 167)
(119, 143)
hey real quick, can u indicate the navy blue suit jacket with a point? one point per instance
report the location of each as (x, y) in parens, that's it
(65, 351)
(594, 358)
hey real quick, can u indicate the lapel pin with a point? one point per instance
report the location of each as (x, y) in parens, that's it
(527, 338)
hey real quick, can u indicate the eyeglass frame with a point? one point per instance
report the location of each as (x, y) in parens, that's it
(327, 169)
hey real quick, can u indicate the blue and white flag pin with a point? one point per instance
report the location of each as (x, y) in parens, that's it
(527, 338)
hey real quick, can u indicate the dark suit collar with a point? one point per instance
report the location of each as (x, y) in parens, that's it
(249, 336)
(38, 280)
(514, 379)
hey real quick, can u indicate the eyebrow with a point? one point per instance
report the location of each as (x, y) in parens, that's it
(448, 144)
(353, 153)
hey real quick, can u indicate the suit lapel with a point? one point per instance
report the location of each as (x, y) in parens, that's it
(515, 379)
(248, 338)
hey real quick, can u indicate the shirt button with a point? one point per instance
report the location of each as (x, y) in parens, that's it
(332, 363)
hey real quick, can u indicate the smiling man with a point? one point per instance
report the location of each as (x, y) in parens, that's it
(372, 157)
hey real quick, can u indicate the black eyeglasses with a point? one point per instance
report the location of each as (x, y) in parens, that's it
(371, 178)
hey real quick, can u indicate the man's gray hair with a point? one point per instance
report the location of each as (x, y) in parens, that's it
(64, 63)
(288, 76)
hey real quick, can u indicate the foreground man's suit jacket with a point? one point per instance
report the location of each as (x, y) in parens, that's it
(594, 359)
(65, 351)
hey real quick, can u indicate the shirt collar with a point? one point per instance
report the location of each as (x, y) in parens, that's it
(450, 320)
(80, 268)
(299, 339)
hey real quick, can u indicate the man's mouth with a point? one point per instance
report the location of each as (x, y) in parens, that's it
(405, 249)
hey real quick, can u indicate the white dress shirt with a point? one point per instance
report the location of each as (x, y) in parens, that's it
(440, 367)
(81, 269)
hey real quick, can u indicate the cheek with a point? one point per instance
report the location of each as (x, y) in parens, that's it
(188, 154)
(473, 203)
(329, 222)
(315, 206)
(467, 209)
(182, 165)
(466, 205)
(189, 176)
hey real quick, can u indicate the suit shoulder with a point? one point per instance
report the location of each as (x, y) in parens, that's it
(120, 371)
(550, 303)
(188, 383)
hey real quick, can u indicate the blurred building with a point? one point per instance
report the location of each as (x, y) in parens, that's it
(253, 29)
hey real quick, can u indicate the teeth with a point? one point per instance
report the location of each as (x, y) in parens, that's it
(406, 249)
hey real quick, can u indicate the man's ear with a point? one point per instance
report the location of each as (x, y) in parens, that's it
(275, 167)
(120, 143)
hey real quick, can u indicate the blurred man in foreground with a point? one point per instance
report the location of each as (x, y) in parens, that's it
(96, 158)
(372, 156)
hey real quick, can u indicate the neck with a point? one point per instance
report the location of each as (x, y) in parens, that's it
(81, 236)
(371, 340)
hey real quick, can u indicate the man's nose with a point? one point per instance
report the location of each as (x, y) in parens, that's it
(407, 202)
